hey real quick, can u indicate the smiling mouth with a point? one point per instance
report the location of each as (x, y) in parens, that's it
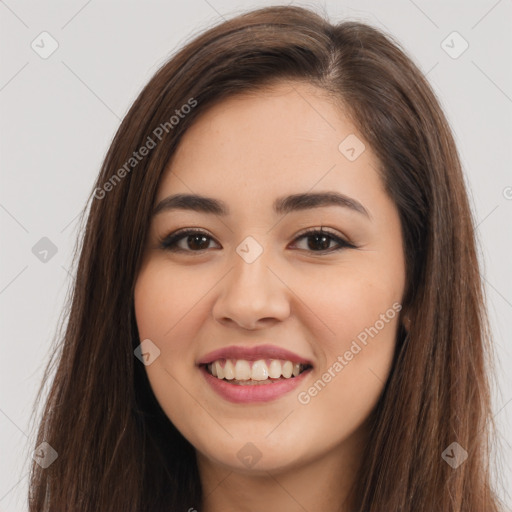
(253, 373)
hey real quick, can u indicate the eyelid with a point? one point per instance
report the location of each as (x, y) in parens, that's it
(320, 229)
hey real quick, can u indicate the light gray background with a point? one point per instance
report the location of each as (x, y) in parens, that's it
(58, 116)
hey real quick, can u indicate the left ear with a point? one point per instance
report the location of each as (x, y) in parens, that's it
(406, 321)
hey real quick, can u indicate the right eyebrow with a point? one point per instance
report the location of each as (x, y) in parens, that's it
(192, 202)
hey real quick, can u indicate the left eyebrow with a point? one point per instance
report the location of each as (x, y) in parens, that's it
(282, 205)
(309, 200)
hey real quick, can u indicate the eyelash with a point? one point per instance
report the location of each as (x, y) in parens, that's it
(169, 242)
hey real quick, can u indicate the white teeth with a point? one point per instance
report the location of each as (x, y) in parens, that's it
(219, 369)
(274, 371)
(242, 370)
(229, 370)
(287, 369)
(259, 370)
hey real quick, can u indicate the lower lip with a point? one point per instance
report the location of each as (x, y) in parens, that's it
(253, 393)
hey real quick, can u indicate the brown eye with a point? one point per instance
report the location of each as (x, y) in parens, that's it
(192, 240)
(186, 241)
(320, 241)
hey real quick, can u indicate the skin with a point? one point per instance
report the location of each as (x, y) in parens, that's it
(247, 151)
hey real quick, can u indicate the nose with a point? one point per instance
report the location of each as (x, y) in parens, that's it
(252, 295)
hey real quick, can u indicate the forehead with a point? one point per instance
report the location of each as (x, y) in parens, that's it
(287, 138)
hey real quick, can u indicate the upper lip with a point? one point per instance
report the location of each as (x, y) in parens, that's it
(253, 354)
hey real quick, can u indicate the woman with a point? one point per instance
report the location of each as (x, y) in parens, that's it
(278, 304)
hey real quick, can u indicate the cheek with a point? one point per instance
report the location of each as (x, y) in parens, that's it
(359, 310)
(163, 299)
(166, 309)
(167, 305)
(356, 361)
(347, 302)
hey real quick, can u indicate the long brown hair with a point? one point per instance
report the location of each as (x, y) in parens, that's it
(117, 449)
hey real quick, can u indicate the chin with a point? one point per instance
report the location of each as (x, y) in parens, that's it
(246, 456)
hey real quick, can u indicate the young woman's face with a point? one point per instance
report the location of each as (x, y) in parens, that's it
(253, 288)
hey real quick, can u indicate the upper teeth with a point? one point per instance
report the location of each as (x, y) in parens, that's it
(240, 369)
